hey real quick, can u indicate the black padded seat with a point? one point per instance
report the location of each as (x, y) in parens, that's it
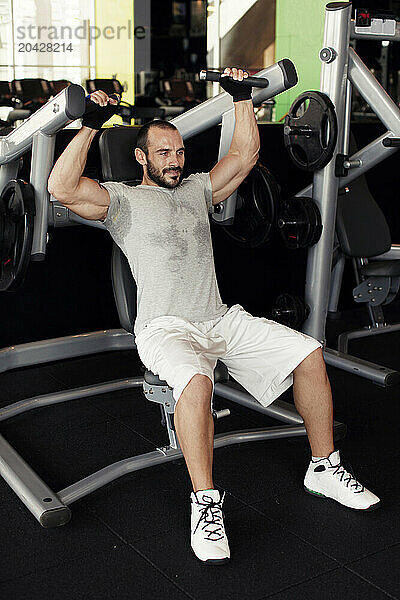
(382, 268)
(220, 375)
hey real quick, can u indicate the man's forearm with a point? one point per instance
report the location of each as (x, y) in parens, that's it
(246, 139)
(67, 171)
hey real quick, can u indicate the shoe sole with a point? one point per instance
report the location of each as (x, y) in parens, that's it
(369, 509)
(215, 561)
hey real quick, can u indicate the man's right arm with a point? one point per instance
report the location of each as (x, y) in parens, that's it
(82, 195)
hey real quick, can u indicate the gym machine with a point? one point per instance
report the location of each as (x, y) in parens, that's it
(50, 508)
(341, 70)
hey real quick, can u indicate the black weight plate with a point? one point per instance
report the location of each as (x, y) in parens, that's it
(290, 310)
(311, 217)
(255, 214)
(314, 220)
(310, 132)
(299, 222)
(18, 206)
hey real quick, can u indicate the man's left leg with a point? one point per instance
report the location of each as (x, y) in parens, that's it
(313, 400)
(325, 475)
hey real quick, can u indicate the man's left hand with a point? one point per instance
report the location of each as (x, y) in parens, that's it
(229, 82)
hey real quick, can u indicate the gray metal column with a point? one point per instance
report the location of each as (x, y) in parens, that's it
(8, 172)
(347, 119)
(338, 268)
(325, 186)
(227, 208)
(42, 163)
(336, 283)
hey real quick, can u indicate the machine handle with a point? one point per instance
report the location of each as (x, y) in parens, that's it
(391, 142)
(260, 82)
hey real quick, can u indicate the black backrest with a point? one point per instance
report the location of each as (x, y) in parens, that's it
(117, 153)
(109, 86)
(361, 226)
(124, 288)
(5, 91)
(118, 163)
(31, 89)
(177, 89)
(58, 85)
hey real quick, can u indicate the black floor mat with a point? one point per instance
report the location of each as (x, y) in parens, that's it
(130, 539)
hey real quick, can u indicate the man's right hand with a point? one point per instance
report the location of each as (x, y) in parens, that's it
(84, 196)
(95, 116)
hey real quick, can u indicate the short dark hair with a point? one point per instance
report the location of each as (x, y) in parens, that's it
(143, 135)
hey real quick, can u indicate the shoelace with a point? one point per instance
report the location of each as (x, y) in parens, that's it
(347, 478)
(210, 519)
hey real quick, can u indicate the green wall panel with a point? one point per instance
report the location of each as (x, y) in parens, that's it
(299, 36)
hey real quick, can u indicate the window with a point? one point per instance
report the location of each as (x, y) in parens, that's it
(46, 39)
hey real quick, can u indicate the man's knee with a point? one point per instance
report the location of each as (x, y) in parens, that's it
(199, 388)
(313, 364)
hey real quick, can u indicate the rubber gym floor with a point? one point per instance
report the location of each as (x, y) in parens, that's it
(131, 538)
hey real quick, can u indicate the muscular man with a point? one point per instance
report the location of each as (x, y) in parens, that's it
(182, 327)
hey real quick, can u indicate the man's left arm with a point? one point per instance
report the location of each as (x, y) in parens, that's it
(230, 171)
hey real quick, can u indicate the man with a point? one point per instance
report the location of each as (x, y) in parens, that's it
(182, 326)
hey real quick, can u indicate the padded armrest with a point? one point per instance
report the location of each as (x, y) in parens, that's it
(384, 268)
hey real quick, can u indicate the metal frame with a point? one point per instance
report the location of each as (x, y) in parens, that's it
(324, 275)
(52, 508)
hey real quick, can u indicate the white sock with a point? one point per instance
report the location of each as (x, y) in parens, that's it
(318, 458)
(206, 490)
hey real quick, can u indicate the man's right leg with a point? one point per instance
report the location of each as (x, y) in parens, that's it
(194, 426)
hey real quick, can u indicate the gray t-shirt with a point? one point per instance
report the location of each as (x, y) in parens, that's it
(165, 235)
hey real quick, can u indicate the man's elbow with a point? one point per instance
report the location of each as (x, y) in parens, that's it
(251, 160)
(52, 186)
(59, 191)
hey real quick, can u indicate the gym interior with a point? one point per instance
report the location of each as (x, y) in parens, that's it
(310, 239)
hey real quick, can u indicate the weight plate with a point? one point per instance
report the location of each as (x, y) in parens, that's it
(255, 214)
(299, 222)
(314, 223)
(17, 211)
(310, 131)
(290, 310)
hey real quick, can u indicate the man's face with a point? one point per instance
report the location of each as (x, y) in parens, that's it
(165, 157)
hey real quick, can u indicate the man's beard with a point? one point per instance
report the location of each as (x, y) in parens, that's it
(158, 176)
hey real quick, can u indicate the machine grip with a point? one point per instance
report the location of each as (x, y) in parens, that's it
(248, 81)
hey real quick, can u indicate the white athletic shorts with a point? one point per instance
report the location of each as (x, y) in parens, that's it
(260, 354)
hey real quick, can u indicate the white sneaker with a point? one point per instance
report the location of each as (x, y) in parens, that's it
(328, 479)
(208, 538)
